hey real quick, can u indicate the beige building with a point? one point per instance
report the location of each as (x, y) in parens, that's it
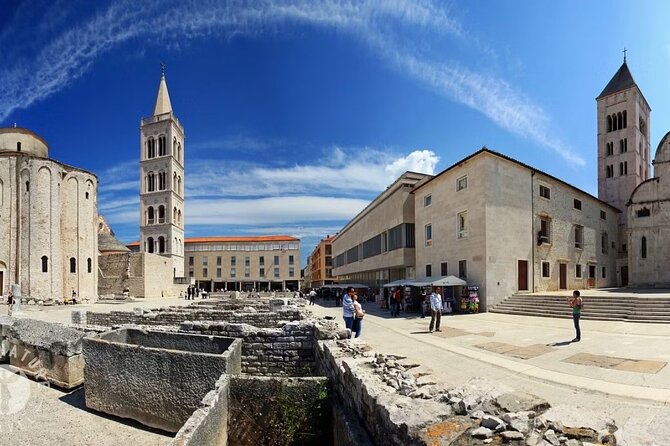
(321, 264)
(307, 273)
(48, 221)
(377, 245)
(507, 227)
(243, 263)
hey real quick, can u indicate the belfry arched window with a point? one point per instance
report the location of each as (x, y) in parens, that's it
(150, 215)
(179, 216)
(161, 244)
(643, 247)
(150, 245)
(179, 153)
(619, 121)
(162, 145)
(609, 123)
(161, 181)
(625, 119)
(161, 214)
(174, 182)
(174, 146)
(89, 264)
(151, 182)
(151, 148)
(73, 265)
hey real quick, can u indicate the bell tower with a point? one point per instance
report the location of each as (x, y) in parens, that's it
(162, 182)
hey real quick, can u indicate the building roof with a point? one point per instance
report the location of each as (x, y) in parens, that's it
(622, 80)
(486, 150)
(163, 104)
(235, 239)
(24, 131)
(108, 243)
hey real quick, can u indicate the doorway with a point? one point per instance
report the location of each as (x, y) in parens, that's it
(522, 272)
(624, 276)
(562, 276)
(592, 276)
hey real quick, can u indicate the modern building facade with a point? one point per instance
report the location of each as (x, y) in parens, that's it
(321, 263)
(243, 263)
(378, 245)
(48, 221)
(507, 227)
(162, 182)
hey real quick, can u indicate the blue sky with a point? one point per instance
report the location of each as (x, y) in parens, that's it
(297, 113)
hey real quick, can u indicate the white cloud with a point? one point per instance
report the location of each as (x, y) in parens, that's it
(70, 54)
(421, 161)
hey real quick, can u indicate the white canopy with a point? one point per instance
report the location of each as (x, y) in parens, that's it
(449, 281)
(344, 285)
(400, 282)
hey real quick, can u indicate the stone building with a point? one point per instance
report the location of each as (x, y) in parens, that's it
(48, 221)
(321, 263)
(507, 227)
(377, 245)
(243, 263)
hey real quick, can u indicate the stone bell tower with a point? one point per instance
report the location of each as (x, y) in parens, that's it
(162, 182)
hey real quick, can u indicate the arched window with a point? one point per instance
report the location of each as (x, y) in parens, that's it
(87, 195)
(18, 146)
(619, 121)
(161, 181)
(151, 182)
(45, 264)
(179, 216)
(174, 213)
(625, 119)
(609, 123)
(151, 148)
(174, 182)
(179, 153)
(179, 190)
(150, 245)
(27, 186)
(89, 264)
(175, 246)
(161, 244)
(643, 247)
(161, 214)
(174, 146)
(150, 215)
(73, 265)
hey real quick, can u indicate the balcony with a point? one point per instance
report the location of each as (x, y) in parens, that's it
(161, 117)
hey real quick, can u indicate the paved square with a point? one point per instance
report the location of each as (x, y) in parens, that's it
(527, 352)
(611, 362)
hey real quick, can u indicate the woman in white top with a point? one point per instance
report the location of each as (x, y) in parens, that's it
(359, 312)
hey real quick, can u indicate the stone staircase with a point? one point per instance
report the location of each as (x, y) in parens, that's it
(602, 308)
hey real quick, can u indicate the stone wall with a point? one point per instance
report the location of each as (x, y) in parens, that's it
(145, 275)
(285, 351)
(178, 315)
(208, 425)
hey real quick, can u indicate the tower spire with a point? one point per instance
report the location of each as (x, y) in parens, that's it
(163, 104)
(624, 54)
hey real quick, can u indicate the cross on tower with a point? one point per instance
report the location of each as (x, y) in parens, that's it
(163, 68)
(624, 54)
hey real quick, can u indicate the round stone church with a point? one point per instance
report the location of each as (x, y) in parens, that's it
(48, 221)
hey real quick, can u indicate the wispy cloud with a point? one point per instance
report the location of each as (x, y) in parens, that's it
(70, 54)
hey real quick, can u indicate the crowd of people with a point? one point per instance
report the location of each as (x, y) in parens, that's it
(192, 292)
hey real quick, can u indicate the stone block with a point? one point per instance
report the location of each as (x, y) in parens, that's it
(156, 378)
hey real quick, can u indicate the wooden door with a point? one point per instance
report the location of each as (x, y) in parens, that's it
(562, 276)
(522, 272)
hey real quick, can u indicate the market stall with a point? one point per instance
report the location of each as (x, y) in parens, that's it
(450, 286)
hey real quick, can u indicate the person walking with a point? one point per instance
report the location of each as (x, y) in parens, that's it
(435, 310)
(397, 299)
(312, 296)
(10, 302)
(359, 312)
(348, 308)
(577, 304)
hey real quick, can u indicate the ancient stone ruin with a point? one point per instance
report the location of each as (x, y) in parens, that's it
(264, 371)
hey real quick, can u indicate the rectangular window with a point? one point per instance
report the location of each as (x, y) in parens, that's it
(546, 272)
(247, 272)
(444, 271)
(577, 204)
(644, 212)
(427, 200)
(579, 237)
(276, 260)
(218, 272)
(190, 273)
(233, 272)
(429, 270)
(624, 248)
(462, 224)
(604, 272)
(291, 271)
(578, 271)
(429, 235)
(233, 261)
(261, 260)
(204, 260)
(544, 236)
(603, 243)
(463, 269)
(545, 192)
(190, 261)
(603, 215)
(204, 272)
(276, 272)
(462, 183)
(291, 260)
(218, 260)
(247, 261)
(261, 272)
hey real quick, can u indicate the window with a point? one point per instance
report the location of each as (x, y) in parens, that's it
(86, 194)
(218, 272)
(444, 270)
(546, 270)
(462, 219)
(624, 247)
(427, 200)
(204, 272)
(18, 146)
(261, 260)
(161, 244)
(544, 236)
(291, 260)
(205, 261)
(603, 215)
(89, 264)
(545, 192)
(610, 148)
(276, 272)
(73, 265)
(578, 271)
(190, 273)
(603, 243)
(579, 237)
(429, 234)
(151, 148)
(643, 247)
(577, 204)
(429, 270)
(161, 214)
(462, 183)
(276, 260)
(27, 186)
(233, 272)
(261, 272)
(218, 260)
(620, 169)
(644, 212)
(190, 261)
(233, 261)
(45, 264)
(247, 261)
(603, 272)
(247, 272)
(609, 123)
(609, 173)
(150, 182)
(385, 241)
(291, 271)
(463, 269)
(161, 145)
(625, 167)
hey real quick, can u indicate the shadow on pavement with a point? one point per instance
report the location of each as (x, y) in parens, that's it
(560, 344)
